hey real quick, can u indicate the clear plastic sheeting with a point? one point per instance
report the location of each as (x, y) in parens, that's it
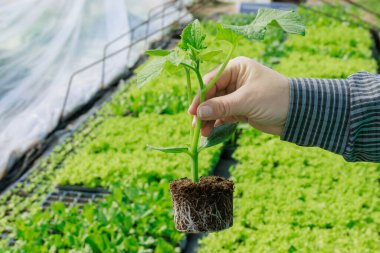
(43, 42)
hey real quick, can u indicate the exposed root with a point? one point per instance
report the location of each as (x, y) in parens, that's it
(203, 210)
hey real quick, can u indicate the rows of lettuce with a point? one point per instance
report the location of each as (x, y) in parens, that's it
(137, 216)
(109, 152)
(330, 49)
(295, 199)
(27, 195)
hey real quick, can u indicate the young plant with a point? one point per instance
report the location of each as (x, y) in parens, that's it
(192, 51)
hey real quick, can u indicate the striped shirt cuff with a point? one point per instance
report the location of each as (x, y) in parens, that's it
(364, 139)
(318, 113)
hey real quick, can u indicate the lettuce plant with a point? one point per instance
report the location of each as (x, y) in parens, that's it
(192, 51)
(288, 197)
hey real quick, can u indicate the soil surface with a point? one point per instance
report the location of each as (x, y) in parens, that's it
(206, 206)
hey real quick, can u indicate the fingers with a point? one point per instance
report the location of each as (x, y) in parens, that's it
(226, 120)
(226, 81)
(194, 105)
(227, 77)
(207, 127)
(222, 107)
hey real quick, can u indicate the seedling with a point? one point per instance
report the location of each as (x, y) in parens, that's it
(189, 55)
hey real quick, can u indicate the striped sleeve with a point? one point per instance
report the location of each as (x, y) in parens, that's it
(339, 115)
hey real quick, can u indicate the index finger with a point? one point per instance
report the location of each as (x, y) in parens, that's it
(226, 79)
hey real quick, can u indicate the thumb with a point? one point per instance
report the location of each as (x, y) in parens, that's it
(219, 107)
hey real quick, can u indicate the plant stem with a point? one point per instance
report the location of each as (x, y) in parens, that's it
(195, 167)
(199, 76)
(220, 71)
(194, 150)
(197, 130)
(203, 89)
(187, 66)
(189, 99)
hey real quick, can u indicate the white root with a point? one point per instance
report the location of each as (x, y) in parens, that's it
(191, 217)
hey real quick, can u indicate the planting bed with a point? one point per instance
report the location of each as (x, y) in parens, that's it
(293, 199)
(287, 198)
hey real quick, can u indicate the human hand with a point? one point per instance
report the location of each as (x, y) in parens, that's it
(246, 91)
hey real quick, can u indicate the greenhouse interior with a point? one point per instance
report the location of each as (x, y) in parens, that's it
(190, 126)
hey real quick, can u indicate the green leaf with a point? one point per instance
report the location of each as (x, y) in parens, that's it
(206, 56)
(152, 70)
(117, 193)
(292, 249)
(158, 52)
(227, 34)
(58, 208)
(192, 36)
(88, 212)
(175, 58)
(289, 21)
(102, 218)
(131, 244)
(163, 246)
(169, 149)
(218, 135)
(95, 242)
(124, 222)
(172, 69)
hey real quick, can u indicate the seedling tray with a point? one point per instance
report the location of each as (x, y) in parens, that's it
(4, 235)
(75, 196)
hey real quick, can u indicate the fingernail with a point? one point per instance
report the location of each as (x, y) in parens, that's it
(194, 121)
(204, 111)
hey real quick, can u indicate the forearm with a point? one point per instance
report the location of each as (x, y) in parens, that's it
(339, 115)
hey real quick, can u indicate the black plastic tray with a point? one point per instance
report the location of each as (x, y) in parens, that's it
(4, 235)
(75, 196)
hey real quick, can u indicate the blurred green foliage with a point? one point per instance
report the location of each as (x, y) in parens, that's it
(292, 199)
(330, 49)
(131, 219)
(118, 153)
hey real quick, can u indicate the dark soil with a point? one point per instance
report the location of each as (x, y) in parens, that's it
(206, 206)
